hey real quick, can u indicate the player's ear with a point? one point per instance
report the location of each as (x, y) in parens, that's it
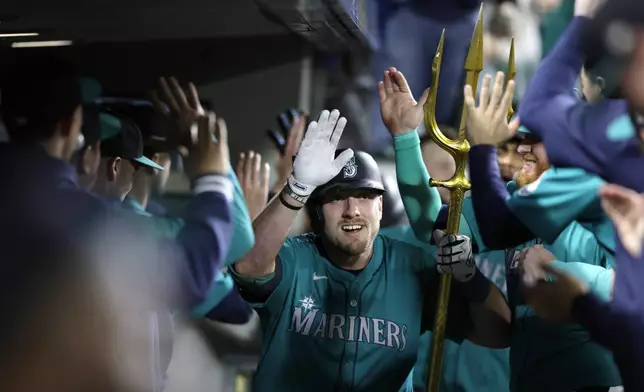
(600, 82)
(380, 207)
(113, 166)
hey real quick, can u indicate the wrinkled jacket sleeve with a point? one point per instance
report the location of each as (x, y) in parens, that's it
(204, 240)
(574, 132)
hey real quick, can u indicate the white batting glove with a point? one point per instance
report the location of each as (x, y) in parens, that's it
(454, 256)
(315, 163)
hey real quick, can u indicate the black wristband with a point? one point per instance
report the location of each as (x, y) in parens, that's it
(287, 205)
(476, 289)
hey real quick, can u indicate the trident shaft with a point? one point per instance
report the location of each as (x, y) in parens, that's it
(458, 184)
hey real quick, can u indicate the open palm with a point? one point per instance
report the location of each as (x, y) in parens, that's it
(626, 208)
(400, 111)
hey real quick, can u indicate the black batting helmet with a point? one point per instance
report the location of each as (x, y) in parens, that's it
(361, 172)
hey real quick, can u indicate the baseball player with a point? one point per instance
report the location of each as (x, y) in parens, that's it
(343, 308)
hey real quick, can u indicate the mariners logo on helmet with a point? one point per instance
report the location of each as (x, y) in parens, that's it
(350, 169)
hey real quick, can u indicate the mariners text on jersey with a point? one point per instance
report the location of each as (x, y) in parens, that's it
(309, 321)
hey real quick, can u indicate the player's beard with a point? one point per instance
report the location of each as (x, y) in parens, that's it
(524, 178)
(353, 247)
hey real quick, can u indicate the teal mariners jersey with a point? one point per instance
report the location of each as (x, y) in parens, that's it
(557, 357)
(466, 367)
(329, 329)
(558, 198)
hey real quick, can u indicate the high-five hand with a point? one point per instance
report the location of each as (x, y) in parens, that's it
(253, 178)
(315, 162)
(184, 110)
(209, 155)
(400, 111)
(284, 163)
(626, 208)
(488, 122)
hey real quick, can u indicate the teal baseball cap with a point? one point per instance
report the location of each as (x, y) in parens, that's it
(120, 137)
(525, 134)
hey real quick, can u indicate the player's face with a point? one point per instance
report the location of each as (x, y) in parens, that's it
(510, 161)
(351, 221)
(535, 162)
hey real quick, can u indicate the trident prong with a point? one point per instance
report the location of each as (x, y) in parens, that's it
(512, 72)
(458, 184)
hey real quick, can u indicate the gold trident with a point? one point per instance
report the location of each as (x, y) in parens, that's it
(458, 184)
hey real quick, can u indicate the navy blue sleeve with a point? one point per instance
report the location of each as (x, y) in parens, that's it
(499, 227)
(204, 240)
(574, 132)
(616, 329)
(232, 309)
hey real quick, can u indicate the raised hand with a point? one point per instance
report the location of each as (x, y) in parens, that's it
(487, 123)
(626, 208)
(315, 163)
(253, 178)
(209, 154)
(400, 111)
(284, 163)
(183, 110)
(587, 8)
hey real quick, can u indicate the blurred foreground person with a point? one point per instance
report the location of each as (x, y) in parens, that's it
(42, 109)
(57, 326)
(606, 139)
(75, 308)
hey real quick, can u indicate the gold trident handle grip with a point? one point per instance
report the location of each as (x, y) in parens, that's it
(458, 184)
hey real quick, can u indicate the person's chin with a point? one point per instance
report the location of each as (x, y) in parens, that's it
(354, 245)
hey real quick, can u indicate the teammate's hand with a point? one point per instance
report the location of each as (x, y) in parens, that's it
(454, 255)
(587, 8)
(209, 155)
(284, 163)
(626, 208)
(253, 178)
(531, 263)
(182, 113)
(488, 122)
(400, 111)
(315, 163)
(553, 300)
